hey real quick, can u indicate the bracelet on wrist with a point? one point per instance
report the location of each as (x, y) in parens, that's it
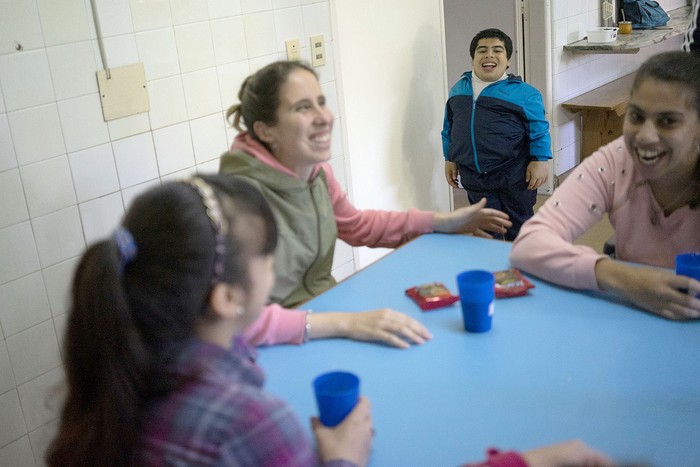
(307, 326)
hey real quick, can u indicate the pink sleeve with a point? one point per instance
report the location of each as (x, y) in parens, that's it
(374, 228)
(544, 247)
(277, 325)
(494, 458)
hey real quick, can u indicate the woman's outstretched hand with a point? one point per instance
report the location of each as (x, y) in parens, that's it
(474, 219)
(384, 325)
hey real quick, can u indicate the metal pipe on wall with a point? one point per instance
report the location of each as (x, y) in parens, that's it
(100, 42)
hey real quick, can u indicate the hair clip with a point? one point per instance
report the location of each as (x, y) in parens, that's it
(126, 245)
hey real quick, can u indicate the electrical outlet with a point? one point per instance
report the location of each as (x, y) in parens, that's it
(293, 49)
(318, 51)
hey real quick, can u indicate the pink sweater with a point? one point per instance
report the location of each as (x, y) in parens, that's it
(604, 182)
(357, 227)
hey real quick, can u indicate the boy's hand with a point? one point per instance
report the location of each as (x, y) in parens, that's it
(536, 174)
(451, 174)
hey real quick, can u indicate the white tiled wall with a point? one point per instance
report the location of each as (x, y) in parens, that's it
(66, 176)
(573, 75)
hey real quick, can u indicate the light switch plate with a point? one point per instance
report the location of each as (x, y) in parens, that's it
(124, 93)
(318, 50)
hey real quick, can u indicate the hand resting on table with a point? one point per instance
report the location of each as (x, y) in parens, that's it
(383, 325)
(659, 291)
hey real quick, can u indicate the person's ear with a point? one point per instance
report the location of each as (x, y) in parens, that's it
(262, 130)
(226, 301)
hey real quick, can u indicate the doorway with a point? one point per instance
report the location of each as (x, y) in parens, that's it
(528, 25)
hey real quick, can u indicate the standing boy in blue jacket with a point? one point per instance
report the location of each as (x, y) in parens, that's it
(495, 135)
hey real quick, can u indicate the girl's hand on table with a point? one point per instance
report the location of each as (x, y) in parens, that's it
(384, 325)
(474, 219)
(656, 290)
(350, 440)
(567, 453)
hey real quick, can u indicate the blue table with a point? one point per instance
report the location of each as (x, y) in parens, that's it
(557, 365)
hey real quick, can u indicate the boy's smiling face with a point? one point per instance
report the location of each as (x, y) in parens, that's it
(490, 59)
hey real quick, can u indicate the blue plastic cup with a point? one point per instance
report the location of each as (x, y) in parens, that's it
(337, 393)
(688, 264)
(477, 295)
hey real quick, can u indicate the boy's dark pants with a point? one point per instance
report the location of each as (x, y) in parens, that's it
(504, 190)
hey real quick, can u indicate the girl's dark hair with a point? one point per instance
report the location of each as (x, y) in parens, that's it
(259, 96)
(680, 68)
(127, 322)
(675, 67)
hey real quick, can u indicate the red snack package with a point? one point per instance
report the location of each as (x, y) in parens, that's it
(431, 296)
(511, 283)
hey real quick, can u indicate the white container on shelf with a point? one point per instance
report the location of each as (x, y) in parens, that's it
(602, 35)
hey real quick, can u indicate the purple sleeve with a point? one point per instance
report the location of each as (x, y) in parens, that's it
(268, 434)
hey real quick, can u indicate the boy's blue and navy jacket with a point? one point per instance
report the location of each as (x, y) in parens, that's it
(505, 123)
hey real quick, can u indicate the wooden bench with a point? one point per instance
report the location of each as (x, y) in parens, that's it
(603, 111)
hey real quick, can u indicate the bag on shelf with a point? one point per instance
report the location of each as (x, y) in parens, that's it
(644, 14)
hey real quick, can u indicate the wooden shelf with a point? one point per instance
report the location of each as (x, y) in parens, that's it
(602, 111)
(631, 43)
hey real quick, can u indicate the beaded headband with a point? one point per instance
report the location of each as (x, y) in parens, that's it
(215, 214)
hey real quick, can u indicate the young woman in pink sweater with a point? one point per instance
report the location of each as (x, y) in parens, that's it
(648, 181)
